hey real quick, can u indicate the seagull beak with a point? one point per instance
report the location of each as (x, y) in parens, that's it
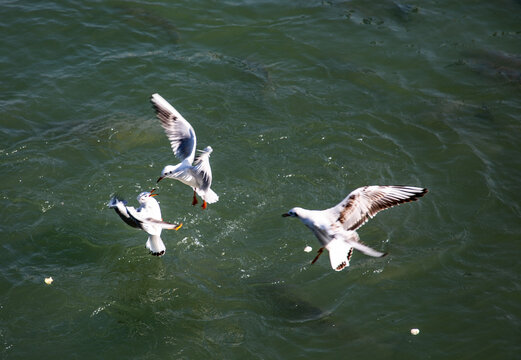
(160, 178)
(285, 215)
(179, 227)
(153, 195)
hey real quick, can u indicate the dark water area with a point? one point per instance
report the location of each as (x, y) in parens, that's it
(302, 102)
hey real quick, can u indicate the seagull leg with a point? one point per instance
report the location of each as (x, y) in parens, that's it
(319, 252)
(205, 205)
(194, 201)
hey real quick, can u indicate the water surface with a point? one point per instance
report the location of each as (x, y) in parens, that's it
(302, 102)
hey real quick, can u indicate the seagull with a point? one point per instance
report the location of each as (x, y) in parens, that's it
(146, 217)
(336, 227)
(194, 172)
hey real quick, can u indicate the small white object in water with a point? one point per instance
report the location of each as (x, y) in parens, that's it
(415, 331)
(49, 280)
(308, 248)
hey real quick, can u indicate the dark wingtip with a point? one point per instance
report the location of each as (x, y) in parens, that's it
(385, 254)
(418, 195)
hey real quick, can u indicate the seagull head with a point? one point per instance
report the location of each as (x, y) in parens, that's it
(145, 196)
(293, 212)
(167, 171)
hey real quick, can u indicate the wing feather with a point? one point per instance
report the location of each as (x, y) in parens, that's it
(365, 202)
(179, 131)
(125, 213)
(163, 224)
(203, 170)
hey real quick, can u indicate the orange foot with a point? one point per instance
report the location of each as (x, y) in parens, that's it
(205, 205)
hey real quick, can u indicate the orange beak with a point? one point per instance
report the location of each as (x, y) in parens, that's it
(152, 192)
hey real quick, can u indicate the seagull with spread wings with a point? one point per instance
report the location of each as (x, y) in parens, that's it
(146, 217)
(336, 227)
(192, 171)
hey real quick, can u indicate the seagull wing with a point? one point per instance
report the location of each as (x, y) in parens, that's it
(203, 171)
(179, 131)
(365, 202)
(186, 175)
(352, 238)
(163, 224)
(367, 250)
(127, 214)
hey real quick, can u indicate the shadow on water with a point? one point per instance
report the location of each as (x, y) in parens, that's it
(492, 63)
(286, 304)
(149, 20)
(248, 65)
(294, 315)
(404, 11)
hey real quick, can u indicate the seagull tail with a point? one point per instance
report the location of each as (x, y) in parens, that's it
(210, 196)
(338, 253)
(155, 245)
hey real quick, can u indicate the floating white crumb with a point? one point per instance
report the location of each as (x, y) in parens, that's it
(49, 280)
(308, 248)
(415, 331)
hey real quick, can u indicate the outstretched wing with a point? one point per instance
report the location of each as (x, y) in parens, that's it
(179, 131)
(365, 202)
(127, 214)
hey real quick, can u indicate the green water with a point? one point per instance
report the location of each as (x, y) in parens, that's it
(302, 102)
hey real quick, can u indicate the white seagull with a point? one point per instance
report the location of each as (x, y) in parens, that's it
(336, 227)
(146, 217)
(193, 172)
